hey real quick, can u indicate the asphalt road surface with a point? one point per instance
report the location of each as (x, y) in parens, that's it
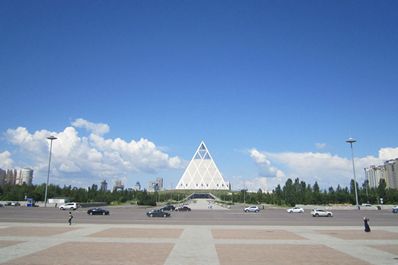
(234, 216)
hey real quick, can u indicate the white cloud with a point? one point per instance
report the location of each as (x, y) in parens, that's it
(325, 168)
(95, 128)
(252, 184)
(5, 160)
(91, 156)
(388, 153)
(320, 145)
(267, 169)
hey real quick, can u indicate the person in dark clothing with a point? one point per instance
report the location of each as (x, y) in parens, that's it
(366, 224)
(70, 218)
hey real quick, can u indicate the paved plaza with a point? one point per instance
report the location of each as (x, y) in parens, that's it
(121, 244)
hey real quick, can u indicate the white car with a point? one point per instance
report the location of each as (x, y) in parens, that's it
(323, 213)
(295, 210)
(253, 209)
(68, 206)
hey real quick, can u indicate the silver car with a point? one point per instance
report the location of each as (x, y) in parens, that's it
(321, 213)
(253, 209)
(295, 210)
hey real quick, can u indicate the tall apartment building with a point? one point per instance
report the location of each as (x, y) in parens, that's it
(156, 185)
(104, 185)
(2, 177)
(15, 177)
(388, 171)
(25, 176)
(391, 167)
(374, 174)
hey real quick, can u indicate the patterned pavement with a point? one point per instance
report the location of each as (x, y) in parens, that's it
(83, 244)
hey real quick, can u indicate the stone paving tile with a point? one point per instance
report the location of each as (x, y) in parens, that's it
(255, 234)
(77, 253)
(393, 249)
(360, 234)
(7, 243)
(139, 233)
(34, 231)
(283, 255)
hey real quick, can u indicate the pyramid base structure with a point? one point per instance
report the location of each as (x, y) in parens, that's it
(202, 173)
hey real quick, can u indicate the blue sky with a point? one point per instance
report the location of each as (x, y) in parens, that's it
(274, 88)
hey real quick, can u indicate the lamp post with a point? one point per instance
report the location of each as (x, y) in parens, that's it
(51, 138)
(351, 141)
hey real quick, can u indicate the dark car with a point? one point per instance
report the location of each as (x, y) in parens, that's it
(97, 211)
(158, 213)
(183, 209)
(168, 208)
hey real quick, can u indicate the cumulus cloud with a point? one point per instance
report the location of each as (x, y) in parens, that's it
(95, 128)
(90, 156)
(388, 153)
(320, 145)
(267, 169)
(252, 184)
(325, 168)
(5, 160)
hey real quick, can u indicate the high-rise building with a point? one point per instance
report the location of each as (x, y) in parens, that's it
(202, 173)
(104, 185)
(374, 174)
(137, 186)
(159, 181)
(2, 177)
(119, 186)
(391, 167)
(25, 176)
(388, 171)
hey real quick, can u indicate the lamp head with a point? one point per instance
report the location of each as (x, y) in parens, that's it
(351, 140)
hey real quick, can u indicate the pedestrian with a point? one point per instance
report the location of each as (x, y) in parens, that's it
(70, 218)
(366, 224)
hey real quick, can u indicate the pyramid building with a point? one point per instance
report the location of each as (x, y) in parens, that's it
(202, 173)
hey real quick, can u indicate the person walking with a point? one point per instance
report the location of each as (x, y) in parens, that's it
(70, 218)
(366, 224)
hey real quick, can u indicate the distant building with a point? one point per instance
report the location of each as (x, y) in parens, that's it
(391, 167)
(2, 177)
(15, 177)
(25, 176)
(202, 173)
(388, 171)
(104, 185)
(374, 174)
(137, 186)
(155, 185)
(119, 186)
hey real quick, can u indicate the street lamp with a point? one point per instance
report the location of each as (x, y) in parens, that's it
(51, 138)
(351, 141)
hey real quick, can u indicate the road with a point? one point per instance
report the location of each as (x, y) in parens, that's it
(234, 216)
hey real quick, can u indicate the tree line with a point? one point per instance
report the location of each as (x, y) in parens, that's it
(291, 193)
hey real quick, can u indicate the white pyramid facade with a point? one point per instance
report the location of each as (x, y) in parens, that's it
(202, 173)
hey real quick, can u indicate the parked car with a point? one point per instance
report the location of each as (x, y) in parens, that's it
(321, 213)
(68, 206)
(12, 204)
(295, 210)
(252, 209)
(168, 208)
(157, 213)
(97, 211)
(183, 208)
(395, 209)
